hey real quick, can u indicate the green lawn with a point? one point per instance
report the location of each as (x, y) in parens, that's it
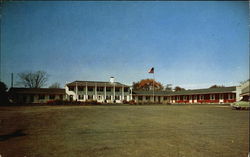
(124, 131)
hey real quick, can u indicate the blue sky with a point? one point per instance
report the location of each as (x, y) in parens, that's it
(190, 44)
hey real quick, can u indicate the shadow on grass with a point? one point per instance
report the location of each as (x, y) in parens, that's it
(17, 133)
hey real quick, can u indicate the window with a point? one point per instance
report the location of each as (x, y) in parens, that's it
(147, 97)
(108, 97)
(117, 89)
(100, 89)
(41, 96)
(80, 97)
(201, 97)
(90, 97)
(165, 98)
(90, 89)
(117, 97)
(51, 96)
(61, 96)
(173, 98)
(231, 96)
(195, 97)
(24, 98)
(80, 88)
(178, 98)
(32, 98)
(190, 97)
(139, 97)
(125, 97)
(126, 89)
(108, 89)
(184, 98)
(212, 97)
(71, 88)
(221, 96)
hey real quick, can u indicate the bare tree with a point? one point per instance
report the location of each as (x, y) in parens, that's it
(55, 85)
(36, 79)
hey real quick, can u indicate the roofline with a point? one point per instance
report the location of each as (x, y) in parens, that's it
(195, 93)
(96, 82)
(205, 93)
(173, 94)
(32, 88)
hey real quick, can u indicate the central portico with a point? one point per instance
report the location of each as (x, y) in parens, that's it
(110, 92)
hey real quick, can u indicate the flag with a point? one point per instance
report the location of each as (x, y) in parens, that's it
(151, 70)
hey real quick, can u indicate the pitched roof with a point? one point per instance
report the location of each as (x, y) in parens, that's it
(206, 90)
(188, 92)
(151, 92)
(96, 83)
(37, 91)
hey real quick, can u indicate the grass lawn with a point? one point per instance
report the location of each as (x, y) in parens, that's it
(124, 131)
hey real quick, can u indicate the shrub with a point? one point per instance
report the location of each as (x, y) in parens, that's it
(58, 102)
(125, 102)
(132, 102)
(92, 102)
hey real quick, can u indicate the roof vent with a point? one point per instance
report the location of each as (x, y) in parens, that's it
(112, 79)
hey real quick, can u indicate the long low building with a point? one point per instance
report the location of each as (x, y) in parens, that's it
(36, 95)
(209, 95)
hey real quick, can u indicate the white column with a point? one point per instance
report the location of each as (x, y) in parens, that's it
(238, 92)
(105, 94)
(122, 92)
(86, 92)
(131, 96)
(114, 92)
(76, 92)
(95, 92)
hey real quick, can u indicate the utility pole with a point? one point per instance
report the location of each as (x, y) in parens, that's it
(12, 77)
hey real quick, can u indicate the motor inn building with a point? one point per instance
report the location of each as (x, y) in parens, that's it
(36, 95)
(210, 95)
(116, 92)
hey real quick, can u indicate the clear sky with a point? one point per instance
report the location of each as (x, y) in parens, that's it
(190, 44)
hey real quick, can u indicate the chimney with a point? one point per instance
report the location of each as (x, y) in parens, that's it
(112, 79)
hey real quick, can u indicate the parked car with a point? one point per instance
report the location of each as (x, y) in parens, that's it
(241, 105)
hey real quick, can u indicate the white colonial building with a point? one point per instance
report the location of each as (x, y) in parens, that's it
(110, 92)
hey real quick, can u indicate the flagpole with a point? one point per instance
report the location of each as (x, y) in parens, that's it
(154, 87)
(151, 71)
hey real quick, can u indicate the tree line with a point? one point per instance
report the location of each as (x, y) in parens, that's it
(38, 79)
